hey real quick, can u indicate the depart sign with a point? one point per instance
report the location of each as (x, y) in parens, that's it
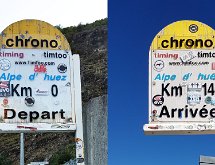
(182, 80)
(40, 86)
(36, 78)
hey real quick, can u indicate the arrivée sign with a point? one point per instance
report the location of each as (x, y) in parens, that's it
(181, 80)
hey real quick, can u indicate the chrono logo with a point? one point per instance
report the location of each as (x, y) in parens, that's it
(29, 101)
(158, 100)
(193, 28)
(187, 43)
(20, 42)
(5, 64)
(62, 68)
(158, 65)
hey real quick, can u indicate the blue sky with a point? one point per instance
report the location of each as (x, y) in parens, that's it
(132, 26)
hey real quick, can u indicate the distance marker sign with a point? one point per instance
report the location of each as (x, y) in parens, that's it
(40, 86)
(37, 82)
(182, 80)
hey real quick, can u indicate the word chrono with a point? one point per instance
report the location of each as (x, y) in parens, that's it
(19, 42)
(189, 43)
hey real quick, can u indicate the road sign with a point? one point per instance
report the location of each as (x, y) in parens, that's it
(40, 86)
(181, 80)
(36, 78)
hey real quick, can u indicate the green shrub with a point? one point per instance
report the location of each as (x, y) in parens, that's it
(4, 160)
(63, 155)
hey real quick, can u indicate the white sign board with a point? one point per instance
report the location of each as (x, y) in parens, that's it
(36, 87)
(37, 79)
(182, 91)
(40, 86)
(181, 81)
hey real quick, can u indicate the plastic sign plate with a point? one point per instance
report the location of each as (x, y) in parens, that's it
(37, 83)
(181, 80)
(40, 86)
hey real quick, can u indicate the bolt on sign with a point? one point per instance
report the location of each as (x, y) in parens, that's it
(181, 80)
(40, 88)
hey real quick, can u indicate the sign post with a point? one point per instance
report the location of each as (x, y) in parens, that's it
(40, 87)
(22, 149)
(181, 80)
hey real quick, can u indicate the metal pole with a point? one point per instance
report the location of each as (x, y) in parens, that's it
(22, 149)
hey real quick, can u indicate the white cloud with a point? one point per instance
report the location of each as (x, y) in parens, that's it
(64, 12)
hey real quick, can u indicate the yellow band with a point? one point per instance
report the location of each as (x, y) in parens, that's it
(33, 34)
(184, 35)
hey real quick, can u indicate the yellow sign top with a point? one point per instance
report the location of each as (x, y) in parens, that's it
(184, 35)
(33, 34)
